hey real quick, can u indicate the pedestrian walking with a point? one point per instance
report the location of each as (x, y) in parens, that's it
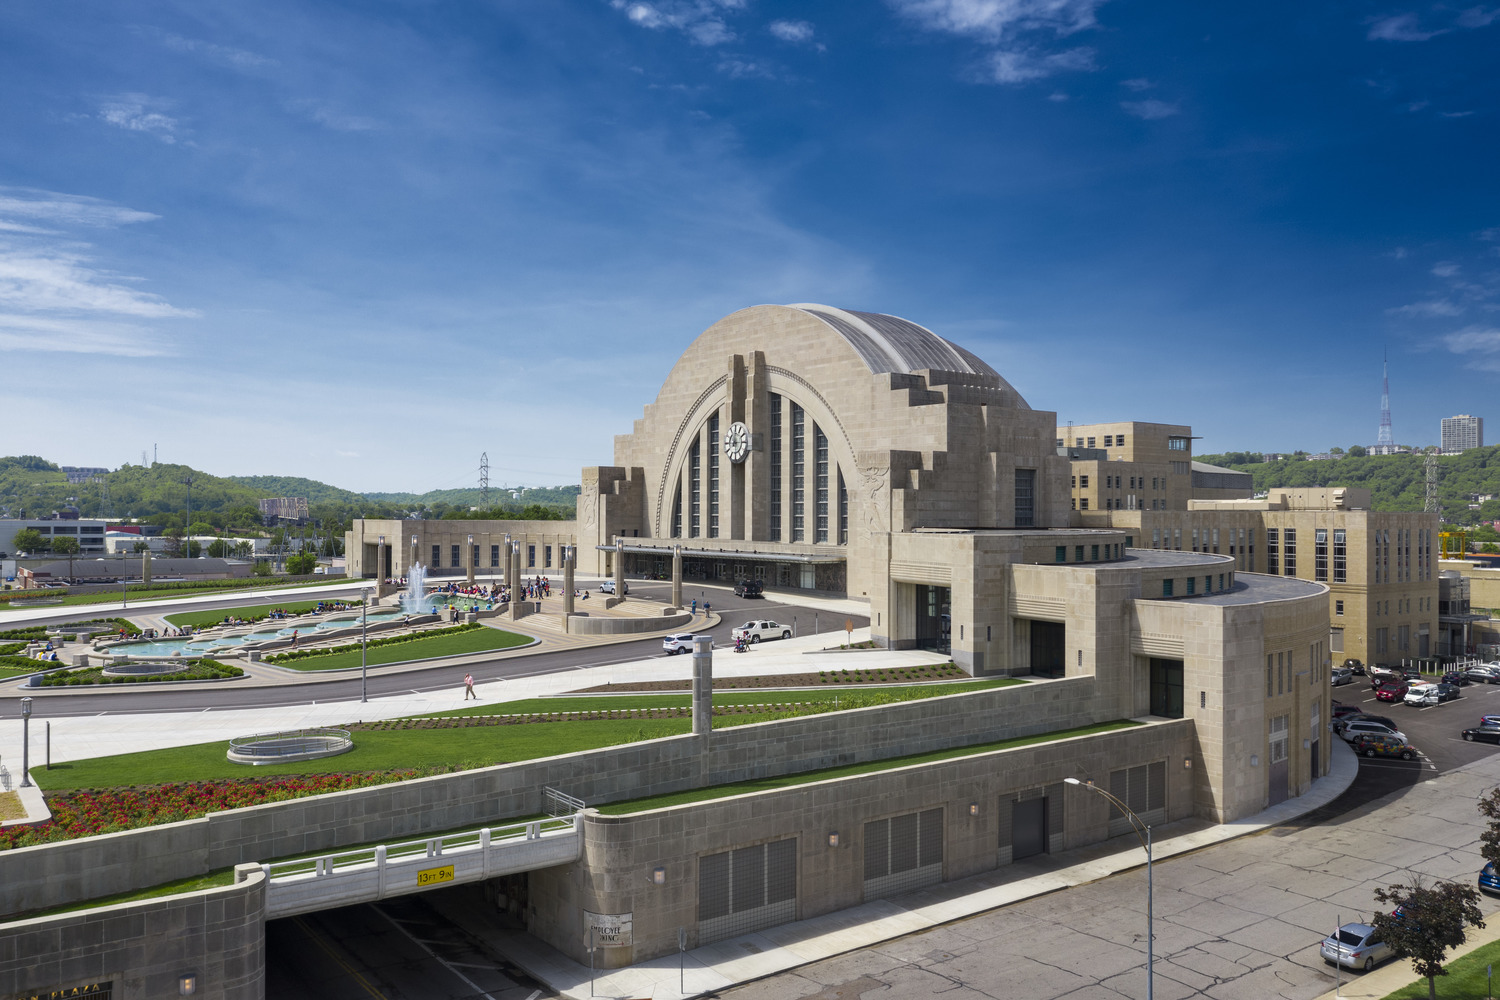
(469, 688)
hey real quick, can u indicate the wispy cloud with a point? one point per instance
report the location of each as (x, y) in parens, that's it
(1430, 309)
(1150, 109)
(56, 295)
(1018, 31)
(1445, 269)
(1138, 84)
(330, 116)
(701, 20)
(740, 69)
(222, 54)
(1400, 28)
(1478, 17)
(1480, 345)
(140, 113)
(792, 31)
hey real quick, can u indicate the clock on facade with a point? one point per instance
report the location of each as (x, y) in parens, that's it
(737, 442)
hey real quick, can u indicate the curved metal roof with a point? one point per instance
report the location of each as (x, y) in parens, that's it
(892, 344)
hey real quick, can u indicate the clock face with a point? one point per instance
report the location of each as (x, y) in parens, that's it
(737, 442)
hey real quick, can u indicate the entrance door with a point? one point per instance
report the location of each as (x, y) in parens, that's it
(1317, 772)
(1028, 828)
(934, 624)
(1278, 782)
(1048, 648)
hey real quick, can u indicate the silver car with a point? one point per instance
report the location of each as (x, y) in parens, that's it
(1353, 729)
(1355, 946)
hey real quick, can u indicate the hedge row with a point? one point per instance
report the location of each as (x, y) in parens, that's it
(351, 647)
(198, 670)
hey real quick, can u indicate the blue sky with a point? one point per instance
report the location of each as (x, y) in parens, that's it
(364, 242)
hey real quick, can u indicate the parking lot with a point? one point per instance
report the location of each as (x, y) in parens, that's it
(1433, 729)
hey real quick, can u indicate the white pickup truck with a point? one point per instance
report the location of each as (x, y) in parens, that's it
(757, 630)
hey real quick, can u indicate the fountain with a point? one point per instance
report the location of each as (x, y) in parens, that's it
(414, 601)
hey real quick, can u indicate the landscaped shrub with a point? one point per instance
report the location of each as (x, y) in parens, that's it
(193, 670)
(298, 654)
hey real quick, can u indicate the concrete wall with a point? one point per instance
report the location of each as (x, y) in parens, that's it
(72, 871)
(587, 625)
(621, 852)
(143, 948)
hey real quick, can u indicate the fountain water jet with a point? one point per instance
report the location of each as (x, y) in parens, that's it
(414, 601)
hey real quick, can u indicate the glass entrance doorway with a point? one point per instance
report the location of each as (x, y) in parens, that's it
(934, 622)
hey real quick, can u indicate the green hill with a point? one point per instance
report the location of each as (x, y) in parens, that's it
(296, 486)
(1395, 482)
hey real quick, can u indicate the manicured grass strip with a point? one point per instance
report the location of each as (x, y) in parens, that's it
(849, 770)
(421, 648)
(1465, 978)
(17, 666)
(172, 592)
(249, 612)
(373, 751)
(842, 698)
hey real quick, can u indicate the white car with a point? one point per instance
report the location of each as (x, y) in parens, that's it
(757, 630)
(608, 587)
(674, 644)
(1361, 727)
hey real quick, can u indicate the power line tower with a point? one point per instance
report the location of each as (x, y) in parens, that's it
(1431, 506)
(484, 480)
(106, 509)
(1385, 404)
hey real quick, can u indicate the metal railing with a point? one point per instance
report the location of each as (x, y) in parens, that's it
(4, 778)
(291, 743)
(558, 803)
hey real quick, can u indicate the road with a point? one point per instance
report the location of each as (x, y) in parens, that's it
(347, 688)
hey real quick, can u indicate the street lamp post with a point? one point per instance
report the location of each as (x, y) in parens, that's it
(1143, 832)
(25, 742)
(364, 637)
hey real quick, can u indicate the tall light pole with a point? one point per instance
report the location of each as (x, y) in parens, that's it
(1143, 832)
(25, 742)
(364, 638)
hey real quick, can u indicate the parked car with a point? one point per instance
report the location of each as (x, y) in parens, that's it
(1340, 676)
(1364, 727)
(1489, 720)
(1431, 694)
(1489, 881)
(1340, 709)
(1482, 734)
(1380, 745)
(1391, 691)
(1411, 673)
(1355, 665)
(1340, 723)
(1458, 677)
(1355, 946)
(1487, 673)
(608, 587)
(757, 630)
(749, 588)
(1379, 675)
(674, 644)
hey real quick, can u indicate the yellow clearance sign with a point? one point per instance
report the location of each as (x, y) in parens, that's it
(432, 876)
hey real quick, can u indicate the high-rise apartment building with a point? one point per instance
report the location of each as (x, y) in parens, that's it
(1462, 432)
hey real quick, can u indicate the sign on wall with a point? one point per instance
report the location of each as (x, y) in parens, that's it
(432, 876)
(610, 930)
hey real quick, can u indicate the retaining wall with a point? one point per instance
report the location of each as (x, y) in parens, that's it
(74, 871)
(580, 624)
(217, 935)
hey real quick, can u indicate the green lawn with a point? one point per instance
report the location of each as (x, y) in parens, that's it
(1465, 978)
(843, 698)
(789, 780)
(249, 612)
(476, 640)
(165, 593)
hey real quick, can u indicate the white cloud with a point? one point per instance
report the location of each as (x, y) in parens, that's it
(1057, 96)
(53, 279)
(1432, 308)
(138, 113)
(1480, 344)
(1454, 114)
(236, 58)
(1490, 235)
(1016, 29)
(65, 209)
(1017, 66)
(1478, 17)
(329, 116)
(1399, 28)
(1415, 106)
(1138, 84)
(792, 31)
(700, 20)
(1150, 109)
(740, 69)
(76, 336)
(1445, 269)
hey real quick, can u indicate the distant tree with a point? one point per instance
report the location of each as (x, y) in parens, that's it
(220, 548)
(141, 546)
(194, 550)
(29, 540)
(1490, 547)
(262, 568)
(244, 548)
(1433, 919)
(28, 463)
(301, 564)
(1335, 450)
(202, 528)
(1358, 451)
(64, 545)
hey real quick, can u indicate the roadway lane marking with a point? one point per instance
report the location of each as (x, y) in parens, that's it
(435, 957)
(328, 950)
(534, 994)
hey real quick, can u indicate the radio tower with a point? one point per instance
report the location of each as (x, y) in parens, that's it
(1432, 506)
(1384, 437)
(484, 480)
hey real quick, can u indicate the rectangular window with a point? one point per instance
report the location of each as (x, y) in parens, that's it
(1108, 440)
(1177, 539)
(775, 526)
(494, 555)
(1119, 440)
(1177, 444)
(695, 488)
(1208, 584)
(843, 511)
(1273, 550)
(1094, 553)
(903, 853)
(820, 456)
(1091, 442)
(799, 468)
(1062, 553)
(713, 476)
(1191, 581)
(1382, 639)
(1156, 538)
(547, 556)
(1078, 553)
(744, 890)
(1216, 541)
(1143, 789)
(475, 564)
(456, 557)
(1320, 555)
(1336, 640)
(1338, 607)
(1280, 673)
(1025, 497)
(1339, 560)
(1166, 588)
(1083, 482)
(1403, 638)
(1166, 688)
(1083, 503)
(1278, 740)
(531, 556)
(1289, 552)
(1195, 539)
(1270, 674)
(677, 511)
(437, 556)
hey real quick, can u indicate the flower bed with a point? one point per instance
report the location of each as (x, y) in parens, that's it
(85, 813)
(882, 675)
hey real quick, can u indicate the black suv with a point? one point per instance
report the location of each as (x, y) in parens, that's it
(749, 588)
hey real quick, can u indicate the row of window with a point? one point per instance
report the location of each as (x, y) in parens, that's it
(455, 557)
(1112, 550)
(1110, 441)
(1281, 669)
(1190, 585)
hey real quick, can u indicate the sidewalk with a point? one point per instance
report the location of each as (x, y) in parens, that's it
(777, 949)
